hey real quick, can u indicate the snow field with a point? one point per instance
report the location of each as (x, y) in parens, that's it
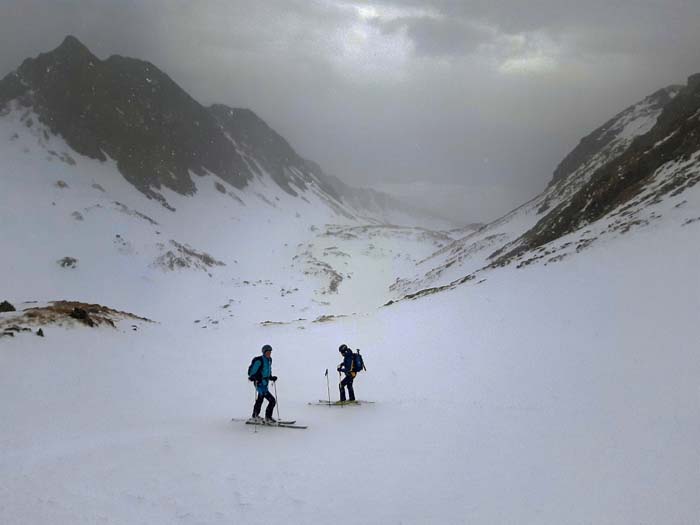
(564, 393)
(554, 394)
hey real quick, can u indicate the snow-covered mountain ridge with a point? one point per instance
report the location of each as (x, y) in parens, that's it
(91, 119)
(80, 231)
(639, 167)
(129, 111)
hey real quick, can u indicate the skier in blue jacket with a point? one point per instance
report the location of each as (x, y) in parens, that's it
(260, 373)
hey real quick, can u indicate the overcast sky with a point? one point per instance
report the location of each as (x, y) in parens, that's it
(466, 105)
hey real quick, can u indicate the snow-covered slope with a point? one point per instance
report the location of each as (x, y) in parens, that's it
(83, 209)
(495, 403)
(514, 237)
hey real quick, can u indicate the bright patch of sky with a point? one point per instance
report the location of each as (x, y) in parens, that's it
(527, 53)
(365, 47)
(361, 50)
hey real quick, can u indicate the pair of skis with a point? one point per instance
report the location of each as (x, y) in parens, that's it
(262, 422)
(354, 402)
(292, 423)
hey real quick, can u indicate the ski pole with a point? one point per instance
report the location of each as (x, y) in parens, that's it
(274, 383)
(328, 384)
(255, 400)
(341, 387)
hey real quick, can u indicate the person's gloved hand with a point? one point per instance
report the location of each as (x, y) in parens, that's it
(273, 378)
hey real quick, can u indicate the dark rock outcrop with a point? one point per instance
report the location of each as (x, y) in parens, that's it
(68, 262)
(82, 315)
(7, 307)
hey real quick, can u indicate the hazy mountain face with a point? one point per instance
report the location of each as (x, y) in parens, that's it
(636, 170)
(160, 137)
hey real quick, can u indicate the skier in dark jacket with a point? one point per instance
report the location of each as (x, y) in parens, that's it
(347, 368)
(261, 374)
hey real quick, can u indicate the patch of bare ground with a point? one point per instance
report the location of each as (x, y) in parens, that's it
(323, 269)
(184, 256)
(327, 318)
(281, 323)
(67, 314)
(123, 208)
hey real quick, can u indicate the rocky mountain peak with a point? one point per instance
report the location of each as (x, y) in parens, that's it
(129, 110)
(72, 47)
(69, 60)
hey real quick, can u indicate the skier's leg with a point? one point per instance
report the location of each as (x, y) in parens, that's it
(258, 404)
(271, 402)
(351, 390)
(343, 384)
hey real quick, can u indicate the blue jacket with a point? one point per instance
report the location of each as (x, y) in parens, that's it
(346, 365)
(266, 373)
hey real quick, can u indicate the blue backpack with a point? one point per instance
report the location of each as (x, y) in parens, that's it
(258, 375)
(358, 364)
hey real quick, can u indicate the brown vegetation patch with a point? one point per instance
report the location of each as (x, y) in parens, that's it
(68, 313)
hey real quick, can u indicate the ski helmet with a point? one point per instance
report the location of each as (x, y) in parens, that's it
(342, 348)
(266, 348)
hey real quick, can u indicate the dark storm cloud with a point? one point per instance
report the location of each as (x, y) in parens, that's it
(482, 95)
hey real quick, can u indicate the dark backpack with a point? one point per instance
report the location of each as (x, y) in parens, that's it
(358, 364)
(258, 375)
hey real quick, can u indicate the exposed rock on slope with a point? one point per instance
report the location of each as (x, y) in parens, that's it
(67, 313)
(610, 183)
(665, 157)
(262, 147)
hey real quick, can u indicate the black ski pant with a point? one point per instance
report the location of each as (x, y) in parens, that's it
(347, 382)
(270, 404)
